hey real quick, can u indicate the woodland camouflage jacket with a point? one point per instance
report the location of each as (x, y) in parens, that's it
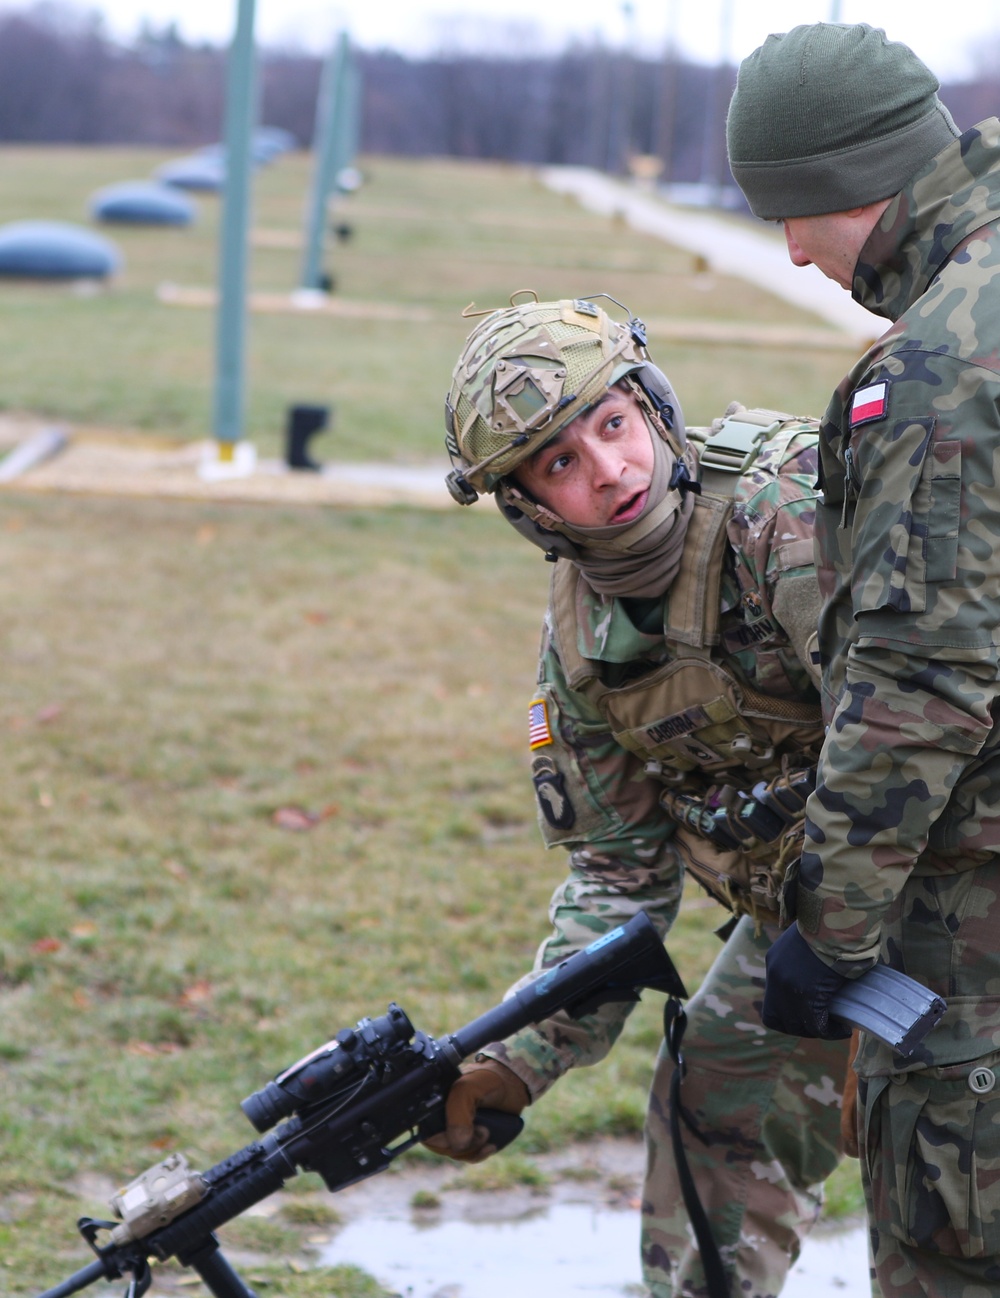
(909, 540)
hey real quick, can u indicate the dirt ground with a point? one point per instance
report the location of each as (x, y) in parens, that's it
(109, 462)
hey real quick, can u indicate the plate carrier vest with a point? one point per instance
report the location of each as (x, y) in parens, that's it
(693, 721)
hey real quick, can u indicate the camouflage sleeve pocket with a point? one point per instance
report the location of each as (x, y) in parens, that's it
(888, 469)
(932, 1142)
(936, 510)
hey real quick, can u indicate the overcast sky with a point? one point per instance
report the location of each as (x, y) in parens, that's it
(419, 26)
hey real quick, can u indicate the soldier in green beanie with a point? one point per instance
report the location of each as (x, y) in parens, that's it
(676, 674)
(839, 134)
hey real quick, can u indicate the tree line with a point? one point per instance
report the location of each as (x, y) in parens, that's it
(63, 80)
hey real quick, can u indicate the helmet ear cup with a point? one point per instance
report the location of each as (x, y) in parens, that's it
(657, 387)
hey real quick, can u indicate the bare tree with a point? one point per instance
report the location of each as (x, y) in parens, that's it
(496, 92)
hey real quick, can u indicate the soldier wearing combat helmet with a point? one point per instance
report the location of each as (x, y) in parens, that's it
(676, 676)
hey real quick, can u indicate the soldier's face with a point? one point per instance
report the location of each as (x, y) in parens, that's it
(833, 241)
(598, 469)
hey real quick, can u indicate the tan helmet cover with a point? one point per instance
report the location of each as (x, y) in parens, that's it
(526, 371)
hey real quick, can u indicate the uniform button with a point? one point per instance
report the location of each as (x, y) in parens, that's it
(897, 1079)
(982, 1080)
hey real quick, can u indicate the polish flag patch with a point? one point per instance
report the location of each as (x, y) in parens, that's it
(869, 403)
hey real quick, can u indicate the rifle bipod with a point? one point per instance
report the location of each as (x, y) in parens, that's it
(206, 1259)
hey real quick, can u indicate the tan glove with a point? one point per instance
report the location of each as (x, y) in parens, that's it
(485, 1084)
(849, 1104)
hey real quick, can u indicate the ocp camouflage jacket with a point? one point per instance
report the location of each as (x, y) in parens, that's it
(596, 796)
(909, 534)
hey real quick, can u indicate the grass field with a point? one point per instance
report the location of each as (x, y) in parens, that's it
(430, 234)
(177, 674)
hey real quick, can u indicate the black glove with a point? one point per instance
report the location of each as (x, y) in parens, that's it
(798, 989)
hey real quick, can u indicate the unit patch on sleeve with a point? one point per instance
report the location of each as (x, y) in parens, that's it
(869, 403)
(539, 733)
(550, 789)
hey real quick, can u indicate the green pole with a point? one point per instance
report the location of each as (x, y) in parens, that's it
(233, 235)
(327, 147)
(352, 117)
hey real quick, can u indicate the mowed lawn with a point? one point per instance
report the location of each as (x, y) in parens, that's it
(185, 686)
(431, 236)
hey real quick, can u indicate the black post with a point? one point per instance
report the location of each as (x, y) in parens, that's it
(303, 423)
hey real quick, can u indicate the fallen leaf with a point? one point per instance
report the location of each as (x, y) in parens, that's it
(49, 713)
(298, 818)
(44, 798)
(162, 1142)
(197, 994)
(80, 999)
(294, 818)
(316, 617)
(84, 929)
(176, 869)
(46, 945)
(144, 1048)
(205, 534)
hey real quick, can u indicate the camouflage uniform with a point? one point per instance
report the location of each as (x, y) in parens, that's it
(904, 825)
(763, 1107)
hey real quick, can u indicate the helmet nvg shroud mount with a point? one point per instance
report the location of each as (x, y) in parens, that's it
(527, 371)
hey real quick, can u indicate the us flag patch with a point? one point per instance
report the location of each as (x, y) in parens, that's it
(869, 403)
(539, 733)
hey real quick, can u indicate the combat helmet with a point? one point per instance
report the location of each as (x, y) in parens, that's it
(527, 371)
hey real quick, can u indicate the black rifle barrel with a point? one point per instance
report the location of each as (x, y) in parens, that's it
(612, 968)
(79, 1280)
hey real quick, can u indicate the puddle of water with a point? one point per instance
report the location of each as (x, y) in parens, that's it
(569, 1250)
(576, 1251)
(833, 1263)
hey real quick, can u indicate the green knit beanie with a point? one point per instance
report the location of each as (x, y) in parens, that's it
(830, 117)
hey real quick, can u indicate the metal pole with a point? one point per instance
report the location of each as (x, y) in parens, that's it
(233, 236)
(666, 101)
(329, 138)
(352, 116)
(713, 141)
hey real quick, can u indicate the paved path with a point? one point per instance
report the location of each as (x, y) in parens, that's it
(747, 250)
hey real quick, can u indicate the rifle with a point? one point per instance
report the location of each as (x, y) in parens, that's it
(346, 1111)
(349, 1108)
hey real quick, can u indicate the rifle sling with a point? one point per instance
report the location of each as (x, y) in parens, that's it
(674, 1023)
